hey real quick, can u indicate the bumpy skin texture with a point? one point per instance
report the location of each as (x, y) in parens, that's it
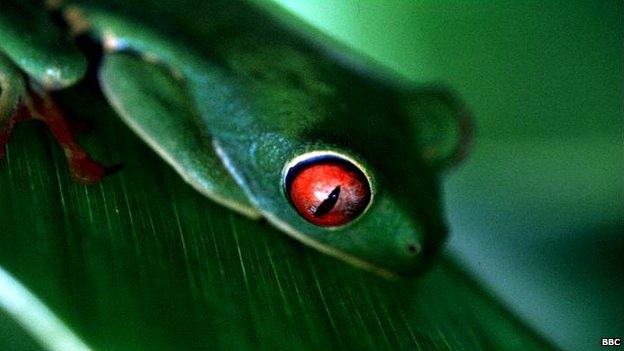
(229, 98)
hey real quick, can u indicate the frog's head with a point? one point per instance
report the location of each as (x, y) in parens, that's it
(362, 182)
(378, 194)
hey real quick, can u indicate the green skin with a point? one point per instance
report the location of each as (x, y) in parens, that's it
(229, 98)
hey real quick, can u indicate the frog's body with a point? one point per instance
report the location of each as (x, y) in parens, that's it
(233, 106)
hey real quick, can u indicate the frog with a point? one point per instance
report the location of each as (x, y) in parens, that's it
(272, 120)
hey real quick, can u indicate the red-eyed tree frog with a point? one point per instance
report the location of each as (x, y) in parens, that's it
(268, 120)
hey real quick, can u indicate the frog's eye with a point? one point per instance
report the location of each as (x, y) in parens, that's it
(327, 190)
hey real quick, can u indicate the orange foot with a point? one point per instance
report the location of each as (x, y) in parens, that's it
(41, 107)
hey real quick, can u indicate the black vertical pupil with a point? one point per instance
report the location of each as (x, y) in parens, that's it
(328, 203)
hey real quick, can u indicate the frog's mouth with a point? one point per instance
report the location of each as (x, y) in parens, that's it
(326, 249)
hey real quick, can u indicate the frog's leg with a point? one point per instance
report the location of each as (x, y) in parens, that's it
(153, 72)
(155, 104)
(118, 33)
(18, 103)
(30, 42)
(82, 167)
(37, 46)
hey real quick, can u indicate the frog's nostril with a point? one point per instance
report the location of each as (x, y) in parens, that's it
(412, 248)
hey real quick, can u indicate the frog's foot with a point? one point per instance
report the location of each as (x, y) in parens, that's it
(40, 106)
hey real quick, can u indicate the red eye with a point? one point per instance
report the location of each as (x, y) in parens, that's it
(327, 190)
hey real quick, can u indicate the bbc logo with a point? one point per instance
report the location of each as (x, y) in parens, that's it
(611, 342)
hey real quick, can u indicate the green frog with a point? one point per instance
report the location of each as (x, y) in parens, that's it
(263, 117)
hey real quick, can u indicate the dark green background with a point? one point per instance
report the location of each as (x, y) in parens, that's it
(538, 209)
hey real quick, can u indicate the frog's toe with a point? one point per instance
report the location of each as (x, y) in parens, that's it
(83, 168)
(41, 107)
(86, 170)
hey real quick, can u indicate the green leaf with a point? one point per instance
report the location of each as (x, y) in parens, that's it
(142, 261)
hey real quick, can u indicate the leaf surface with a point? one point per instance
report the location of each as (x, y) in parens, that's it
(142, 261)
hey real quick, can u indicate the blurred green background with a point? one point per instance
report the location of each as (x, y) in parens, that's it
(537, 211)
